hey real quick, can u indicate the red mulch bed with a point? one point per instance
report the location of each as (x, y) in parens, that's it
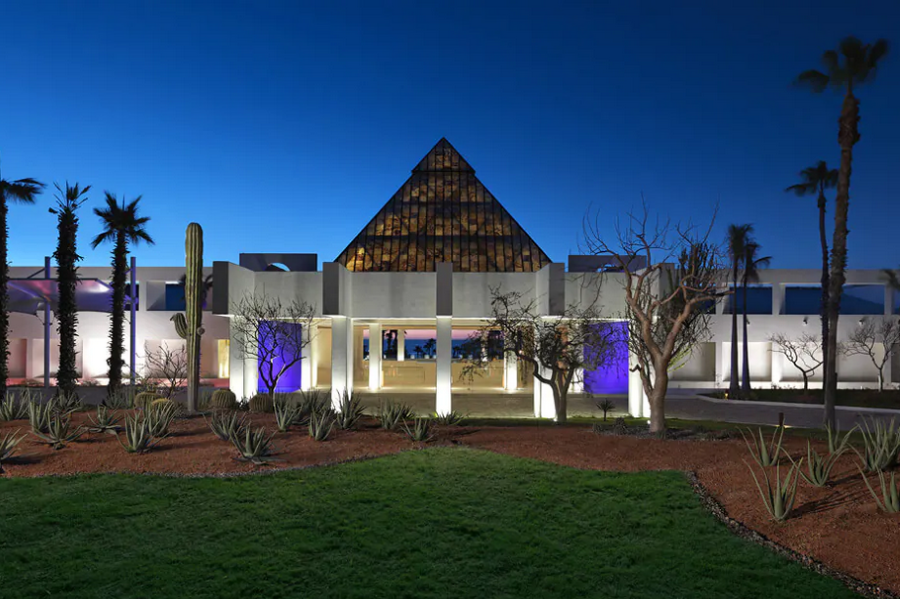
(839, 526)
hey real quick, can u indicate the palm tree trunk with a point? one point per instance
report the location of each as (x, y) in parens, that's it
(848, 135)
(4, 298)
(733, 387)
(745, 370)
(823, 306)
(117, 326)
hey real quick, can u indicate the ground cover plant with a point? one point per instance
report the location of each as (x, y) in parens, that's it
(419, 524)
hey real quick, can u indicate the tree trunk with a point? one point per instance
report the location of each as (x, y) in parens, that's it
(847, 136)
(745, 370)
(880, 379)
(823, 305)
(657, 400)
(67, 309)
(560, 399)
(733, 388)
(805, 381)
(4, 299)
(117, 325)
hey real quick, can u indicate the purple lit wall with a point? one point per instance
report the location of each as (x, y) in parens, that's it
(290, 380)
(613, 379)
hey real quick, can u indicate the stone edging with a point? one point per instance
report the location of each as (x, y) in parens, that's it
(716, 509)
(783, 404)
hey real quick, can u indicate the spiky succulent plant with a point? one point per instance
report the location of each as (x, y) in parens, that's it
(254, 446)
(59, 431)
(224, 423)
(350, 412)
(8, 444)
(890, 493)
(421, 430)
(105, 422)
(779, 500)
(881, 444)
(12, 407)
(764, 454)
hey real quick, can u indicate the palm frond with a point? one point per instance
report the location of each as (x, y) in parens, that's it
(22, 191)
(817, 81)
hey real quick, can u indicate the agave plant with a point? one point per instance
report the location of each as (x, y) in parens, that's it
(881, 443)
(310, 402)
(106, 421)
(421, 431)
(137, 434)
(224, 424)
(59, 431)
(66, 402)
(12, 407)
(285, 412)
(159, 417)
(818, 467)
(321, 423)
(765, 454)
(451, 418)
(120, 399)
(779, 501)
(253, 445)
(890, 493)
(391, 414)
(8, 444)
(39, 416)
(350, 412)
(836, 442)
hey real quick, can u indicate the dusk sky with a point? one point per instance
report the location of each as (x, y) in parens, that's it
(282, 127)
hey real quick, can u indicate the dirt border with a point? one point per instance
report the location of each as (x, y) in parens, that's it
(865, 589)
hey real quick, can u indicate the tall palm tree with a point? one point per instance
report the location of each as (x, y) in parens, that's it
(121, 225)
(753, 263)
(737, 239)
(846, 68)
(22, 191)
(815, 180)
(68, 202)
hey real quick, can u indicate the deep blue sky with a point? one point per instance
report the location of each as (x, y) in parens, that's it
(280, 127)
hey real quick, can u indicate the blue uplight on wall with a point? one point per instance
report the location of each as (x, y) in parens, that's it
(291, 380)
(611, 379)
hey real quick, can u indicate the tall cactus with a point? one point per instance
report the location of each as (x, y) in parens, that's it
(189, 326)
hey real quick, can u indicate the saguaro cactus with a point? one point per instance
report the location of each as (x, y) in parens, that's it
(189, 326)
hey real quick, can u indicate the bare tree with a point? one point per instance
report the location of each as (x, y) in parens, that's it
(804, 352)
(868, 337)
(557, 347)
(669, 297)
(271, 331)
(169, 365)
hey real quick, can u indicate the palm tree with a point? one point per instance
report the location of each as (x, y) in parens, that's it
(851, 65)
(738, 237)
(121, 225)
(752, 266)
(22, 191)
(816, 179)
(67, 258)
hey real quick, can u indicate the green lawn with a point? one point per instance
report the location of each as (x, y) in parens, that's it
(433, 523)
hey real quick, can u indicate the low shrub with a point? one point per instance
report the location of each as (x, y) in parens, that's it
(818, 467)
(222, 399)
(137, 434)
(159, 416)
(451, 418)
(881, 443)
(286, 411)
(421, 431)
(321, 423)
(39, 416)
(890, 494)
(8, 444)
(253, 445)
(262, 403)
(67, 402)
(350, 412)
(13, 406)
(59, 431)
(779, 500)
(311, 401)
(143, 399)
(225, 423)
(765, 454)
(106, 421)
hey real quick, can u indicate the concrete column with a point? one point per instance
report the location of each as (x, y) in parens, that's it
(544, 407)
(401, 345)
(375, 349)
(235, 364)
(777, 298)
(577, 385)
(444, 365)
(341, 358)
(314, 355)
(306, 364)
(34, 357)
(510, 371)
(635, 390)
(251, 377)
(720, 369)
(777, 368)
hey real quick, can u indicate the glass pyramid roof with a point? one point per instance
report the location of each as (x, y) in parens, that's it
(443, 213)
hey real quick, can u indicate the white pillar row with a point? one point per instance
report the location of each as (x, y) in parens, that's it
(251, 377)
(777, 368)
(635, 390)
(235, 364)
(401, 345)
(308, 364)
(510, 371)
(375, 349)
(341, 358)
(544, 407)
(444, 365)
